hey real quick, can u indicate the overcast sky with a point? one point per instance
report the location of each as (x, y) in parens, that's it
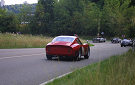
(9, 2)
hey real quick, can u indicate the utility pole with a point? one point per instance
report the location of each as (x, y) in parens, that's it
(99, 20)
(99, 26)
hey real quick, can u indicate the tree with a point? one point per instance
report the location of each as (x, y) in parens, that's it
(113, 19)
(91, 19)
(84, 17)
(44, 16)
(25, 17)
(7, 22)
(130, 22)
(68, 15)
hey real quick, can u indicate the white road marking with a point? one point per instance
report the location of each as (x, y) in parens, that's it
(19, 56)
(55, 78)
(60, 76)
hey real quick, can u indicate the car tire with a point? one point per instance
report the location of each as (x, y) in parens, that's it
(88, 54)
(49, 57)
(78, 56)
(121, 45)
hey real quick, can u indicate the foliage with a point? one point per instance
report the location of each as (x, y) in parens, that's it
(116, 19)
(25, 16)
(91, 19)
(44, 17)
(85, 17)
(17, 7)
(68, 17)
(8, 22)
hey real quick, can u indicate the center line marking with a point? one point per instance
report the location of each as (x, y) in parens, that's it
(19, 56)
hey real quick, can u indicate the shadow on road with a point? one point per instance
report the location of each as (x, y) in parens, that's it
(64, 59)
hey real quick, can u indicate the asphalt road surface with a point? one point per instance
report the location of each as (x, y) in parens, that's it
(30, 66)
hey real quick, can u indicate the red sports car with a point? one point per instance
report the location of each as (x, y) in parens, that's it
(67, 46)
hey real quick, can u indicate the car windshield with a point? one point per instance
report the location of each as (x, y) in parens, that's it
(65, 39)
(126, 40)
(115, 38)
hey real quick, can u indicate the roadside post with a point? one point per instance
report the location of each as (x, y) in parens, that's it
(87, 41)
(102, 33)
(133, 47)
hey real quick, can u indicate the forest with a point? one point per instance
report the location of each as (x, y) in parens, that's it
(68, 17)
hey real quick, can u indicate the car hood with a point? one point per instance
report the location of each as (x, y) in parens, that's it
(61, 43)
(126, 40)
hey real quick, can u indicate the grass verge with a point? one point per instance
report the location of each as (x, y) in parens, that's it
(85, 41)
(23, 41)
(118, 70)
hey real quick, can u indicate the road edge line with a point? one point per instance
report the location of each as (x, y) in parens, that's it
(55, 78)
(61, 76)
(20, 56)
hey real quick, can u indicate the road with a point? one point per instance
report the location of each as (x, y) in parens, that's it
(30, 66)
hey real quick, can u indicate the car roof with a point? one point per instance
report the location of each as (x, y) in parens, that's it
(67, 36)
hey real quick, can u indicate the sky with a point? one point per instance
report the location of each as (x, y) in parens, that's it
(12, 2)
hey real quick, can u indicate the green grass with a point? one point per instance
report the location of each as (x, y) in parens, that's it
(118, 70)
(23, 41)
(85, 41)
(91, 45)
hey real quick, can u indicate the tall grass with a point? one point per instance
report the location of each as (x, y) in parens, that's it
(23, 41)
(9, 40)
(118, 70)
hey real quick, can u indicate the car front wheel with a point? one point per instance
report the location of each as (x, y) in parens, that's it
(78, 55)
(88, 54)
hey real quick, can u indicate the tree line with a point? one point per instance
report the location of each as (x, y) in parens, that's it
(68, 17)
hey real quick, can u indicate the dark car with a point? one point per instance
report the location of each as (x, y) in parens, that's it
(116, 40)
(126, 42)
(98, 39)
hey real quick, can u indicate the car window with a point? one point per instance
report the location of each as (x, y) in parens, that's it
(65, 39)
